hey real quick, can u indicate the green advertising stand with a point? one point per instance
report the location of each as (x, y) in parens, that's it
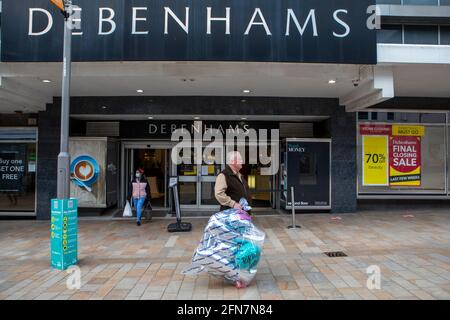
(64, 233)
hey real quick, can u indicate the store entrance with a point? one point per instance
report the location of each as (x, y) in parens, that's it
(262, 187)
(196, 181)
(154, 161)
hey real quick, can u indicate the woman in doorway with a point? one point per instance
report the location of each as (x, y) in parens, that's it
(139, 193)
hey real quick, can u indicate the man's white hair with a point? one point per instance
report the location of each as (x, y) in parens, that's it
(232, 155)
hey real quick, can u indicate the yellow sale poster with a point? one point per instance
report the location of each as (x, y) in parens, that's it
(409, 131)
(375, 161)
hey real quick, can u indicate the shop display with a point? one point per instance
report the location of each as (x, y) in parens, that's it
(391, 155)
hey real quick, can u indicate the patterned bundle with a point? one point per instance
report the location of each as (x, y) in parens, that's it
(231, 246)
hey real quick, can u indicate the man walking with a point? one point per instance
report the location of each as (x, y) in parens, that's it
(230, 184)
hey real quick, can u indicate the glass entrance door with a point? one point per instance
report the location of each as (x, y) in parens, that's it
(208, 172)
(155, 163)
(197, 180)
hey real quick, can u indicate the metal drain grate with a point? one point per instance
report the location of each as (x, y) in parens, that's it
(334, 254)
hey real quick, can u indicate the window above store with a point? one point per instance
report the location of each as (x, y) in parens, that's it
(390, 34)
(445, 35)
(402, 117)
(421, 34)
(18, 134)
(416, 2)
(414, 34)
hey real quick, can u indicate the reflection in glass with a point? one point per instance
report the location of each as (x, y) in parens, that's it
(208, 197)
(188, 192)
(187, 169)
(260, 185)
(308, 169)
(211, 165)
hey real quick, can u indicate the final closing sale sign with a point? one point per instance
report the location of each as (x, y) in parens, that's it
(404, 161)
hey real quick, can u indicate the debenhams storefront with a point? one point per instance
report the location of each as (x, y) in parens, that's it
(143, 69)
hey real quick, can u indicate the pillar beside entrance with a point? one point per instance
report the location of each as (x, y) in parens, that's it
(343, 163)
(48, 149)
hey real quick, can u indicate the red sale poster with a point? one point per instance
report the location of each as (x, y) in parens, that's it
(368, 129)
(404, 161)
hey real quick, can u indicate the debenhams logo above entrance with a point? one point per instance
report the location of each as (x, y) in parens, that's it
(257, 30)
(140, 15)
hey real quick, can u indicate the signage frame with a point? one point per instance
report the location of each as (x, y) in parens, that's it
(35, 140)
(333, 32)
(309, 207)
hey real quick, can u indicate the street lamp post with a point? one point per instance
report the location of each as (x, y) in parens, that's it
(63, 180)
(64, 211)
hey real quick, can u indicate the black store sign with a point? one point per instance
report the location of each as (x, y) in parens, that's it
(325, 31)
(164, 129)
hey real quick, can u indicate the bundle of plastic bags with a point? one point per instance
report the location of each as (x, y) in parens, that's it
(231, 246)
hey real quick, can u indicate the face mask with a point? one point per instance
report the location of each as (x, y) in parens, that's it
(138, 175)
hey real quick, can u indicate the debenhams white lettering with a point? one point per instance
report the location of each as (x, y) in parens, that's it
(107, 24)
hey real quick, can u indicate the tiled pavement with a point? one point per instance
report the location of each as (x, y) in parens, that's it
(118, 260)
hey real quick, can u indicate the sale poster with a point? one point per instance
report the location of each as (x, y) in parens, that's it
(404, 161)
(411, 131)
(13, 159)
(367, 129)
(375, 156)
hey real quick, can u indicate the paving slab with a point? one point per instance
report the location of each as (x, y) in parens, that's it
(119, 261)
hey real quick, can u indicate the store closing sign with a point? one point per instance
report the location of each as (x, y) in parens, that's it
(412, 131)
(375, 129)
(375, 156)
(404, 161)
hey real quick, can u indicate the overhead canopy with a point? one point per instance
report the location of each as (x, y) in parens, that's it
(22, 87)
